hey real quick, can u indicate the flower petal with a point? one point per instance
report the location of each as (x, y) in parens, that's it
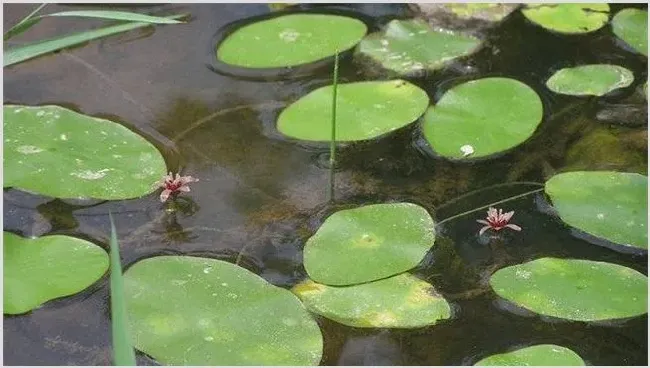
(483, 229)
(513, 227)
(507, 216)
(483, 222)
(164, 195)
(184, 188)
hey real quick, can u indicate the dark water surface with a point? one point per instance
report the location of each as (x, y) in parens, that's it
(262, 195)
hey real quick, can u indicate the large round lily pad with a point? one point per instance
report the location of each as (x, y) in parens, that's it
(401, 301)
(369, 243)
(200, 311)
(482, 117)
(574, 289)
(631, 25)
(57, 152)
(568, 18)
(590, 80)
(290, 40)
(364, 110)
(536, 355)
(607, 204)
(46, 268)
(408, 46)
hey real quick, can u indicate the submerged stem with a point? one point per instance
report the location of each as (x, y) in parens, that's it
(333, 133)
(488, 205)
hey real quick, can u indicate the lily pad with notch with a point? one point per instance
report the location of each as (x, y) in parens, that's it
(365, 110)
(590, 80)
(210, 312)
(369, 243)
(481, 118)
(607, 204)
(535, 355)
(574, 289)
(289, 40)
(568, 18)
(54, 151)
(42, 269)
(631, 25)
(401, 301)
(411, 46)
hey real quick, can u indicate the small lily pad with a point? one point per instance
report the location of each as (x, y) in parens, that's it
(607, 204)
(401, 301)
(54, 151)
(290, 40)
(590, 80)
(574, 289)
(205, 312)
(631, 25)
(408, 46)
(369, 243)
(568, 18)
(536, 355)
(484, 117)
(46, 268)
(365, 110)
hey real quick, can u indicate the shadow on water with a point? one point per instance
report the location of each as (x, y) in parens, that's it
(262, 195)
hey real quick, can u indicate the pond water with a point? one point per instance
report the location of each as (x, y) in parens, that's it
(261, 195)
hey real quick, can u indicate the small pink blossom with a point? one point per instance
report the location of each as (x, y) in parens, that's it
(497, 221)
(173, 185)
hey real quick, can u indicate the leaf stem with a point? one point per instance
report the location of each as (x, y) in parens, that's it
(333, 132)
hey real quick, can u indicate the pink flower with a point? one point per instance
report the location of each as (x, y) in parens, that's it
(497, 221)
(174, 185)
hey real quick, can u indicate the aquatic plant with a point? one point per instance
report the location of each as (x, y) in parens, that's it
(173, 185)
(17, 54)
(497, 221)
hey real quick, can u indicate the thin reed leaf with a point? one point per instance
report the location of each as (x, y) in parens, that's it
(123, 354)
(24, 24)
(115, 15)
(21, 53)
(335, 80)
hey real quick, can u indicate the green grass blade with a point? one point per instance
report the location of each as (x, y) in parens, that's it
(21, 53)
(123, 354)
(115, 15)
(335, 81)
(24, 24)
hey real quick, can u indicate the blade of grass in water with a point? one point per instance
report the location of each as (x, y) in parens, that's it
(24, 24)
(335, 80)
(123, 354)
(21, 53)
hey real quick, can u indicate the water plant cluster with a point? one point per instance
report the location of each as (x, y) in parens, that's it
(187, 310)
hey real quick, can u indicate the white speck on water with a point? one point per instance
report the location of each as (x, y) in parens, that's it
(289, 321)
(117, 156)
(224, 284)
(63, 137)
(40, 113)
(232, 295)
(600, 216)
(179, 282)
(214, 294)
(384, 42)
(208, 338)
(289, 35)
(207, 270)
(411, 34)
(422, 31)
(630, 223)
(467, 150)
(523, 274)
(394, 57)
(257, 38)
(104, 133)
(28, 150)
(378, 106)
(91, 175)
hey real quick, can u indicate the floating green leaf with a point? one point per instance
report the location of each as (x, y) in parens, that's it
(568, 18)
(594, 80)
(21, 53)
(46, 268)
(493, 12)
(607, 204)
(364, 110)
(200, 311)
(536, 355)
(290, 40)
(407, 46)
(389, 238)
(631, 25)
(401, 301)
(57, 152)
(573, 289)
(482, 117)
